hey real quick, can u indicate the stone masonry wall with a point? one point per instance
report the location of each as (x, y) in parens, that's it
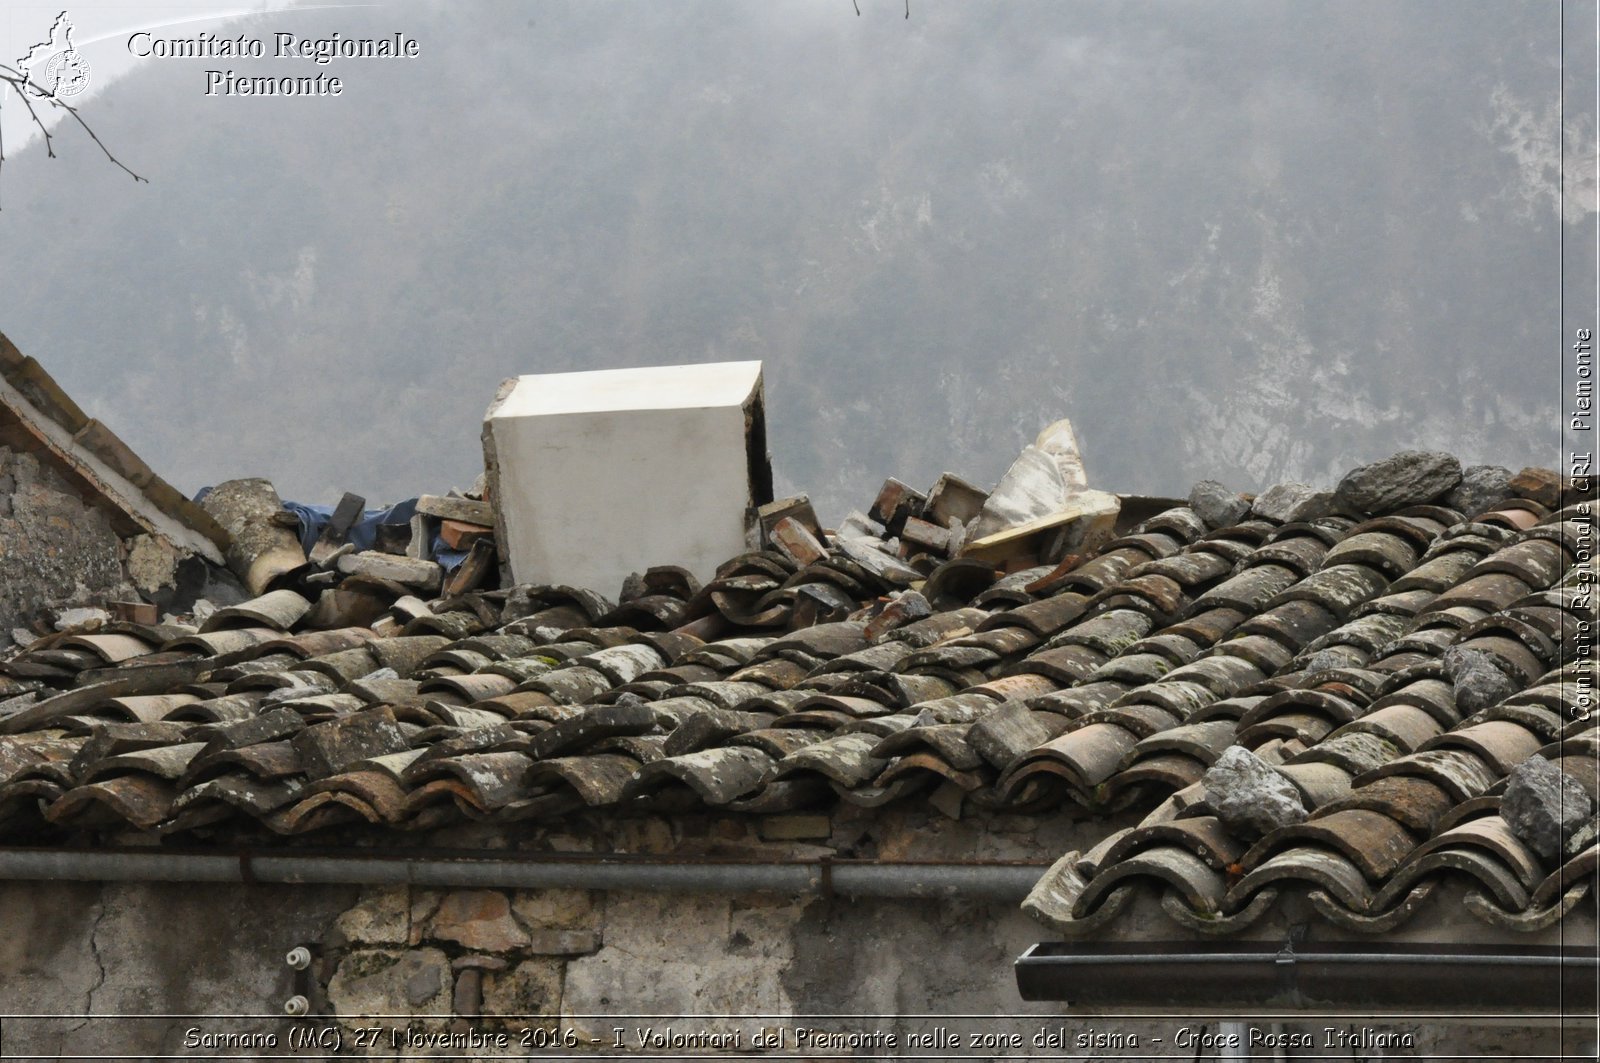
(58, 551)
(407, 972)
(54, 549)
(404, 970)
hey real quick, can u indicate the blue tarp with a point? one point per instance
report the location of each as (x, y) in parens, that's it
(364, 532)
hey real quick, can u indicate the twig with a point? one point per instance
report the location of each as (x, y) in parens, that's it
(118, 163)
(857, 6)
(19, 83)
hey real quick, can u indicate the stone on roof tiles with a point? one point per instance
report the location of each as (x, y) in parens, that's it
(1215, 505)
(1544, 806)
(1521, 664)
(1481, 487)
(1248, 796)
(1477, 678)
(1284, 502)
(1405, 479)
(1543, 486)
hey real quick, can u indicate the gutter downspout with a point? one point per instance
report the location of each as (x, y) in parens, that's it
(999, 882)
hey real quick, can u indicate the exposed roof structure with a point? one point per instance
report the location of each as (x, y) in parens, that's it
(36, 415)
(1392, 666)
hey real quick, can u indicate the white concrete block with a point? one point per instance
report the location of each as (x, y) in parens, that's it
(595, 475)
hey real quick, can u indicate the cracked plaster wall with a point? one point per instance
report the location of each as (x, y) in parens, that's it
(72, 949)
(570, 963)
(557, 962)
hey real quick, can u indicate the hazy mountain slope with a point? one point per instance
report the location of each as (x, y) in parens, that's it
(1243, 241)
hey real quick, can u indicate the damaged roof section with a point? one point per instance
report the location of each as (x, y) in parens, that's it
(38, 417)
(1363, 702)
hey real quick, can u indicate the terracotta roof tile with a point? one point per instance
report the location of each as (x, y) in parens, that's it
(1105, 685)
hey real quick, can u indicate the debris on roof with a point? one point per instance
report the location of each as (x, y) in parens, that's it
(1248, 697)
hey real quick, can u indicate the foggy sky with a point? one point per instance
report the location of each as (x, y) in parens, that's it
(1246, 241)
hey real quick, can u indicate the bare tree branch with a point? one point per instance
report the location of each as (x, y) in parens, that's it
(20, 84)
(855, 4)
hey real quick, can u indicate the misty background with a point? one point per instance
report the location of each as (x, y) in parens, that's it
(1246, 241)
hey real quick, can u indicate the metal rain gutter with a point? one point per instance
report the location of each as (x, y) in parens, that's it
(1000, 882)
(1255, 979)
